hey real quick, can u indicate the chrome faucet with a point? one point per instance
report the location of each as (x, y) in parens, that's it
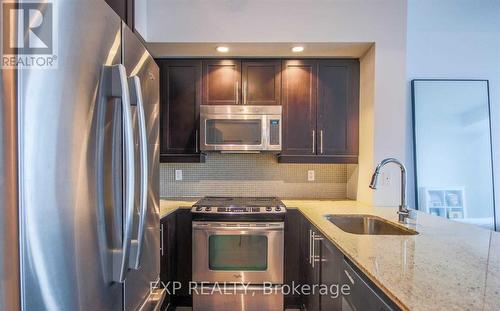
(403, 211)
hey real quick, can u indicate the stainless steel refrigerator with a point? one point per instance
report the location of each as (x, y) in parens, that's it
(79, 157)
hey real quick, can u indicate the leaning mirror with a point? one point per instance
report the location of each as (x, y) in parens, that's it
(453, 154)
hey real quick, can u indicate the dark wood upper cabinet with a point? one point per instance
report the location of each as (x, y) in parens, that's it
(261, 82)
(320, 99)
(320, 111)
(338, 107)
(221, 82)
(125, 9)
(180, 103)
(299, 106)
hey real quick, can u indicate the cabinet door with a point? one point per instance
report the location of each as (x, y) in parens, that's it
(125, 9)
(180, 102)
(331, 267)
(221, 82)
(167, 252)
(261, 81)
(338, 107)
(299, 106)
(363, 295)
(293, 255)
(184, 255)
(310, 271)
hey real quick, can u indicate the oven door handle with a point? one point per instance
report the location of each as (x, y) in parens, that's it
(217, 228)
(212, 231)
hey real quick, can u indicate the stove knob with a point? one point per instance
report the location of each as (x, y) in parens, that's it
(278, 209)
(268, 209)
(198, 209)
(208, 209)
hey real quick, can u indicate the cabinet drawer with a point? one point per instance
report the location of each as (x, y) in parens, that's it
(362, 296)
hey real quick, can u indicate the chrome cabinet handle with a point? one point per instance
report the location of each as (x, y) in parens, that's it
(162, 249)
(321, 141)
(314, 141)
(137, 244)
(313, 239)
(113, 84)
(310, 246)
(314, 257)
(196, 141)
(245, 90)
(237, 87)
(349, 276)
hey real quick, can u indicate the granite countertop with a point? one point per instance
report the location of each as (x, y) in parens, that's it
(170, 205)
(447, 266)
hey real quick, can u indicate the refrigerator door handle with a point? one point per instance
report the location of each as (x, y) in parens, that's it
(136, 244)
(116, 86)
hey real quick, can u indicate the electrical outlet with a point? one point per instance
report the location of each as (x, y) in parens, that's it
(178, 175)
(310, 175)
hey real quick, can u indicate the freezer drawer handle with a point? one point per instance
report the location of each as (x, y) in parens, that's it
(349, 276)
(137, 244)
(113, 84)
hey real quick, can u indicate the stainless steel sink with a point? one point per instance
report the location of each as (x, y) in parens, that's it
(367, 224)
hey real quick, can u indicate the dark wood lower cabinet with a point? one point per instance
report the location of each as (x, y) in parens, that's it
(312, 272)
(309, 259)
(167, 251)
(364, 295)
(293, 256)
(331, 266)
(322, 263)
(175, 252)
(183, 256)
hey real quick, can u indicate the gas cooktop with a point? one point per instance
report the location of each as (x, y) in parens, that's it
(235, 207)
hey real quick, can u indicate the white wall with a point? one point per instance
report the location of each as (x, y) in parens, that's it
(380, 21)
(458, 39)
(141, 17)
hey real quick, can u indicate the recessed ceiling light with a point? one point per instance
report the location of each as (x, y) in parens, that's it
(222, 49)
(297, 49)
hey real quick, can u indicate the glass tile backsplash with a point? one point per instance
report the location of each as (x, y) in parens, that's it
(254, 175)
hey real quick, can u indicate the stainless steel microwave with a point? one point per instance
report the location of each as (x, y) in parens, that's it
(238, 128)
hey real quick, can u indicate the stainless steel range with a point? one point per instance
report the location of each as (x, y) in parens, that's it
(238, 241)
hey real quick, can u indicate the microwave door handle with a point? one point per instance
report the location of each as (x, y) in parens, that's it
(113, 84)
(265, 139)
(137, 244)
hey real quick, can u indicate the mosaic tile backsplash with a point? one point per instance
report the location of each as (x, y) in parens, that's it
(254, 175)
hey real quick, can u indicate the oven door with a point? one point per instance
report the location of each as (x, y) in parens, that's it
(250, 252)
(226, 132)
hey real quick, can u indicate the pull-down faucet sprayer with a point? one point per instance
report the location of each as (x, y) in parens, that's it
(403, 211)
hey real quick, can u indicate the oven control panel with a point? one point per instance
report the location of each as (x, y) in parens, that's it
(239, 210)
